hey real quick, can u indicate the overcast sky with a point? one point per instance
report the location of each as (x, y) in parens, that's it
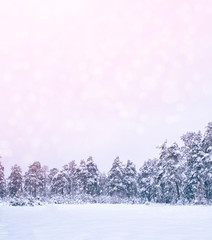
(102, 78)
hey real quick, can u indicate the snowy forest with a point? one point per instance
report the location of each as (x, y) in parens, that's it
(180, 175)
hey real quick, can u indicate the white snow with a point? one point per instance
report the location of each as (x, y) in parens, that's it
(106, 222)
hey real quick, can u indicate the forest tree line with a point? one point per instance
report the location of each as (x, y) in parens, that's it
(180, 175)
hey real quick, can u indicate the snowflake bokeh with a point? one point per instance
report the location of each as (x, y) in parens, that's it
(102, 78)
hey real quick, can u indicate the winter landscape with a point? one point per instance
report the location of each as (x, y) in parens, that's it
(105, 120)
(168, 198)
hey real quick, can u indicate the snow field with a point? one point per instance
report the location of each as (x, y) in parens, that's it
(106, 222)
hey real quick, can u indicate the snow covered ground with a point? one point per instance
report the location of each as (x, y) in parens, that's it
(109, 222)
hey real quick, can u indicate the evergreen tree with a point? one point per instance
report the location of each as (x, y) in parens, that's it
(102, 184)
(59, 184)
(207, 148)
(130, 179)
(44, 173)
(115, 180)
(34, 183)
(92, 178)
(2, 182)
(147, 185)
(70, 171)
(207, 140)
(195, 167)
(82, 174)
(15, 181)
(170, 172)
(51, 174)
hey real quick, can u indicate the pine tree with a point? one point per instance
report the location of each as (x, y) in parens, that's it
(148, 189)
(52, 172)
(59, 184)
(130, 179)
(170, 172)
(15, 181)
(2, 182)
(82, 174)
(102, 184)
(44, 174)
(70, 171)
(207, 140)
(195, 167)
(207, 148)
(34, 182)
(115, 180)
(92, 181)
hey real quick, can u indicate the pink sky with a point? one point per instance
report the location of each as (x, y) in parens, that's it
(102, 78)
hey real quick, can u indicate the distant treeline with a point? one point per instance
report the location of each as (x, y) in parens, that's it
(181, 175)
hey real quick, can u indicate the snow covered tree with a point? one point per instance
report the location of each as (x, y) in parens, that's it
(195, 167)
(207, 148)
(115, 180)
(207, 139)
(70, 171)
(130, 179)
(92, 178)
(59, 184)
(15, 181)
(44, 173)
(147, 186)
(170, 173)
(34, 180)
(64, 182)
(208, 177)
(52, 173)
(82, 174)
(2, 182)
(102, 184)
